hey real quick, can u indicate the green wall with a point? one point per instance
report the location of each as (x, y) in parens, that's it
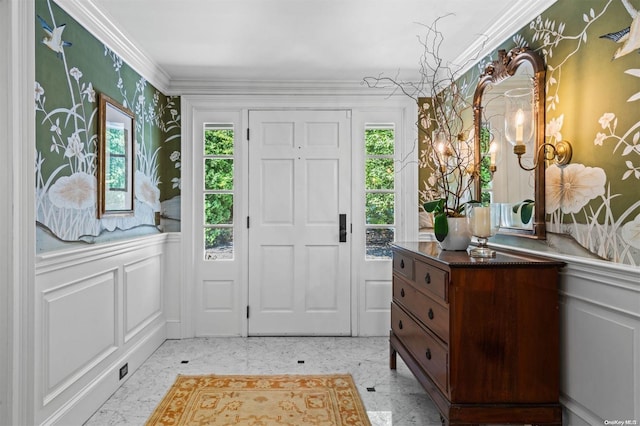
(69, 75)
(593, 101)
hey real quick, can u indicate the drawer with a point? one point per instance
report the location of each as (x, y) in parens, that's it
(431, 278)
(430, 312)
(403, 265)
(425, 348)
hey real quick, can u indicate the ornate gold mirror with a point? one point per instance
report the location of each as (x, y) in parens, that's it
(520, 73)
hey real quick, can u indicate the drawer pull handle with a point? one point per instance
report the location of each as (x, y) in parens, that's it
(430, 314)
(402, 292)
(400, 324)
(402, 263)
(427, 278)
(428, 353)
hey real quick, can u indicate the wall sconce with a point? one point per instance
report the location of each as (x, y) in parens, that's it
(519, 129)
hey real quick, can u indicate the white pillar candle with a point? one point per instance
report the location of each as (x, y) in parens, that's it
(482, 222)
(519, 127)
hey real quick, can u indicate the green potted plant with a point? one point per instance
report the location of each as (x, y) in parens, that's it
(450, 187)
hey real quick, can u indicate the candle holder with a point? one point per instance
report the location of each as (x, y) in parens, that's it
(518, 118)
(484, 221)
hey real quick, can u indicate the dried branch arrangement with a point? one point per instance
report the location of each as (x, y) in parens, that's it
(445, 124)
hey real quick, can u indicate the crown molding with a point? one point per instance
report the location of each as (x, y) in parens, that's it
(100, 25)
(517, 16)
(276, 87)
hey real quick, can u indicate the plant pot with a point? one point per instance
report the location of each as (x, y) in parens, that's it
(459, 236)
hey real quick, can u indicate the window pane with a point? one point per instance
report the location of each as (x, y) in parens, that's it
(218, 243)
(218, 174)
(379, 141)
(379, 208)
(378, 243)
(117, 173)
(117, 139)
(379, 173)
(218, 209)
(218, 142)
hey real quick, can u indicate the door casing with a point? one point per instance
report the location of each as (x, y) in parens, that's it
(365, 109)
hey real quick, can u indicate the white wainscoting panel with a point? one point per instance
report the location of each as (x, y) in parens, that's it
(217, 296)
(600, 341)
(98, 307)
(142, 294)
(79, 329)
(378, 297)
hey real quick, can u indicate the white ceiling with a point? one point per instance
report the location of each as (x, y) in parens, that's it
(301, 40)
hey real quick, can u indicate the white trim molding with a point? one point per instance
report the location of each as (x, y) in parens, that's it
(98, 23)
(101, 26)
(20, 63)
(6, 218)
(517, 16)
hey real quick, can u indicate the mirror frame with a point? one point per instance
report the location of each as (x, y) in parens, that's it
(504, 67)
(108, 108)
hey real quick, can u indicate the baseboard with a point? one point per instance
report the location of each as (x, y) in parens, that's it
(174, 329)
(575, 414)
(86, 402)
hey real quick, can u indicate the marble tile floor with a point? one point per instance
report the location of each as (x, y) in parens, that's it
(398, 399)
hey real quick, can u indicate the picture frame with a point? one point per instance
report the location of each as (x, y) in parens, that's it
(115, 159)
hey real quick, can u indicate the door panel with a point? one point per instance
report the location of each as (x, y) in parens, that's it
(299, 184)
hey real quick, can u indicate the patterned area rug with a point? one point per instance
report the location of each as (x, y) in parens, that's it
(326, 400)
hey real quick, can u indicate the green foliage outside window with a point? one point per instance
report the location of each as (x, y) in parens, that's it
(485, 163)
(117, 171)
(379, 142)
(379, 192)
(218, 142)
(218, 174)
(379, 208)
(218, 209)
(379, 175)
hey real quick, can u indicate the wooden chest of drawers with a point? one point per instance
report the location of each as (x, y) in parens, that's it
(481, 336)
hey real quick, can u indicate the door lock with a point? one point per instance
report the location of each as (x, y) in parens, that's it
(342, 232)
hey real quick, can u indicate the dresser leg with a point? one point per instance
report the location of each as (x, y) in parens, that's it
(392, 357)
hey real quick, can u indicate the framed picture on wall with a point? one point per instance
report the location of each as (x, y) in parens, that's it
(116, 158)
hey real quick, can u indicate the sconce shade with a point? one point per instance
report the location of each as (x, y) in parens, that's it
(518, 116)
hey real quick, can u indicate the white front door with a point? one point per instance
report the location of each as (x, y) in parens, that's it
(299, 193)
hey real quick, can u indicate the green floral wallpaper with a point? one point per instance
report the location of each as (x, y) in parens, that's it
(592, 52)
(72, 67)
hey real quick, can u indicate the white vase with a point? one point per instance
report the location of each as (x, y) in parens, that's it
(459, 235)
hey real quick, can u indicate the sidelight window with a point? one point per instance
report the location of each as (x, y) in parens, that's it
(218, 191)
(379, 190)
